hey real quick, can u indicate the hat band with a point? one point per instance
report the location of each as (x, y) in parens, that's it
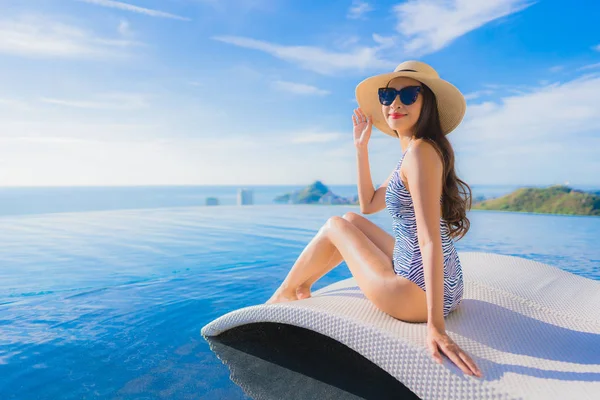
(409, 70)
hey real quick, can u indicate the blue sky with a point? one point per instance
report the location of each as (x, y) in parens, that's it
(143, 92)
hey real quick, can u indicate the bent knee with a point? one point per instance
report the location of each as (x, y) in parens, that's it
(333, 221)
(352, 216)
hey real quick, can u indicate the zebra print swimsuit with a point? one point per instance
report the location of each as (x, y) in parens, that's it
(407, 260)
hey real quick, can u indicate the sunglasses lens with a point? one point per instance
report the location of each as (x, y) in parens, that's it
(387, 96)
(408, 94)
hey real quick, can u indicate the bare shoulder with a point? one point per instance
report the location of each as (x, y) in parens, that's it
(422, 160)
(423, 151)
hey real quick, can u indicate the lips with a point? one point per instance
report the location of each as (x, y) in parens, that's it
(397, 116)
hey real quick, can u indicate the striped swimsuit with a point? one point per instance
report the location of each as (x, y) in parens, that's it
(407, 260)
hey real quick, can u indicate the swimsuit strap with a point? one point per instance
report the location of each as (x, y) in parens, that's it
(410, 144)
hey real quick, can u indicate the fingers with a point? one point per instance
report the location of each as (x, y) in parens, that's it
(366, 118)
(360, 115)
(457, 356)
(460, 358)
(469, 363)
(453, 355)
(436, 354)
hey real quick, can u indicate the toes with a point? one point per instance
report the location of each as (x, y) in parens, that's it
(303, 293)
(281, 297)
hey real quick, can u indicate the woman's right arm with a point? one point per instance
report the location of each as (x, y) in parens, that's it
(370, 200)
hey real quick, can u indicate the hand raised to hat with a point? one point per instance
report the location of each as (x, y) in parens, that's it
(362, 128)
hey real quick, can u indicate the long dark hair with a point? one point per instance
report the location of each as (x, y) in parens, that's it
(456, 194)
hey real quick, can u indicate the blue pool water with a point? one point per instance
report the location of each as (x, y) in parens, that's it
(109, 304)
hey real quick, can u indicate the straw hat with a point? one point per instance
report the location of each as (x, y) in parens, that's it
(450, 101)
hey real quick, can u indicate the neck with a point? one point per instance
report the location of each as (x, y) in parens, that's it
(405, 142)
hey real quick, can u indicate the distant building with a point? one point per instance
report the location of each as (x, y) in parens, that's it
(212, 201)
(244, 197)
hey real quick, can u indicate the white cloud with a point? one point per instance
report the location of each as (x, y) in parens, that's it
(315, 137)
(346, 41)
(424, 26)
(35, 126)
(342, 152)
(510, 88)
(179, 138)
(542, 113)
(430, 25)
(478, 94)
(557, 68)
(129, 7)
(123, 28)
(299, 88)
(240, 6)
(315, 58)
(245, 72)
(223, 161)
(358, 9)
(13, 104)
(384, 42)
(56, 160)
(75, 152)
(588, 67)
(533, 138)
(45, 139)
(38, 36)
(597, 47)
(109, 101)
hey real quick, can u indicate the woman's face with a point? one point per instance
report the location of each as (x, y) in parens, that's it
(401, 117)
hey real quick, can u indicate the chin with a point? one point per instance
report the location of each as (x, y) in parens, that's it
(399, 126)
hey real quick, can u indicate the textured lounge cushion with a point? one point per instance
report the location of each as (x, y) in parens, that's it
(533, 329)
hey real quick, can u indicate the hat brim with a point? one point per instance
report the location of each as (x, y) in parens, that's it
(450, 101)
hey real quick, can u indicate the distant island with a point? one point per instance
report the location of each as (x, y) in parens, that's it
(315, 193)
(556, 199)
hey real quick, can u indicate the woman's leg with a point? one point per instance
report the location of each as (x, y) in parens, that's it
(377, 235)
(373, 271)
(321, 256)
(318, 254)
(303, 291)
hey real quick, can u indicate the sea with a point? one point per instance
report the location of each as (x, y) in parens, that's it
(104, 290)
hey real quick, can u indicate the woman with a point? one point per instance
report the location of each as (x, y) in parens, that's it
(415, 275)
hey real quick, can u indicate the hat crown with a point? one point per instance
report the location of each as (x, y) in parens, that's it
(417, 66)
(450, 101)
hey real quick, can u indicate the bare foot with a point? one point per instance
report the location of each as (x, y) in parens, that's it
(280, 296)
(303, 292)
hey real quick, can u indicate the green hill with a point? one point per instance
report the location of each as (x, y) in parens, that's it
(315, 193)
(312, 193)
(556, 199)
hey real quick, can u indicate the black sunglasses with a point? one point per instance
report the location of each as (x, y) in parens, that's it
(408, 95)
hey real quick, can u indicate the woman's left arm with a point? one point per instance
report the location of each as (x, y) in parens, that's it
(424, 175)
